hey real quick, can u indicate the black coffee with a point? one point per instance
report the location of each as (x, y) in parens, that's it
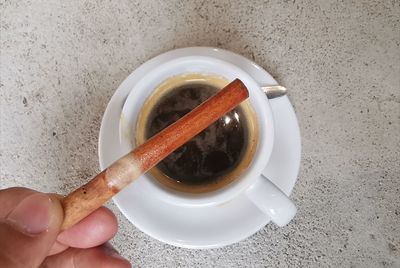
(214, 152)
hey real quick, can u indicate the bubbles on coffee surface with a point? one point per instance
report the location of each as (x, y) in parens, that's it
(214, 152)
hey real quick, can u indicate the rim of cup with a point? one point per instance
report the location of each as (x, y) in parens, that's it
(204, 65)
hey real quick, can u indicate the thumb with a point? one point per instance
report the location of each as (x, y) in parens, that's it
(29, 224)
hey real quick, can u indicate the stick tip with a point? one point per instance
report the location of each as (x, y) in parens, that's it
(241, 86)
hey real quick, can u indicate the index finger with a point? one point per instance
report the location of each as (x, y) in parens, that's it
(97, 228)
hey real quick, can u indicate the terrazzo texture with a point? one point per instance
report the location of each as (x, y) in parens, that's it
(61, 61)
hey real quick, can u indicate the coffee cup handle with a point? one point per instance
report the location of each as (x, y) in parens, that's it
(272, 201)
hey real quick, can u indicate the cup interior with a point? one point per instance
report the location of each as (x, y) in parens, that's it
(214, 158)
(207, 66)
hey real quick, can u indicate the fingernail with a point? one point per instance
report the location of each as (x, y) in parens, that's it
(32, 214)
(111, 251)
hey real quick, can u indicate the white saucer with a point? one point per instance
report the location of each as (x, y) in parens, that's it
(202, 227)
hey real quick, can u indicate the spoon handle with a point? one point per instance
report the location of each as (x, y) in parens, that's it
(274, 91)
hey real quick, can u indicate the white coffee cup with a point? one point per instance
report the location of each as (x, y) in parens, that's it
(261, 191)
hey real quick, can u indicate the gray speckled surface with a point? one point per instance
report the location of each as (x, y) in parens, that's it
(62, 60)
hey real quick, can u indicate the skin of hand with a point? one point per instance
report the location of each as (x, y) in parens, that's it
(30, 234)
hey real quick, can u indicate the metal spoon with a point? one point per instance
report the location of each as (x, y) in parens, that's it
(274, 91)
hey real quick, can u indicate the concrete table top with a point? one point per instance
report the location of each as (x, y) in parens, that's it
(61, 61)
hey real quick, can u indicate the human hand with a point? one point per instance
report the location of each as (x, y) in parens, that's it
(30, 234)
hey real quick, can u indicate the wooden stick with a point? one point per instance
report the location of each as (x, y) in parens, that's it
(84, 200)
